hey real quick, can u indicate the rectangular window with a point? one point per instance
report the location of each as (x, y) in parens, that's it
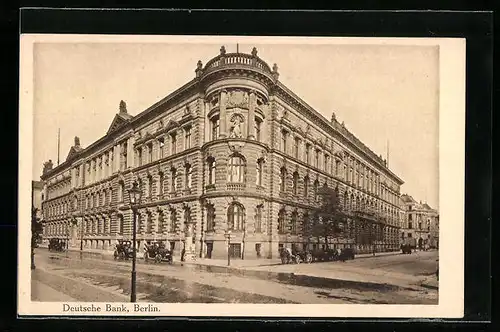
(258, 219)
(215, 128)
(211, 171)
(296, 148)
(316, 162)
(259, 173)
(173, 180)
(210, 218)
(326, 160)
(410, 225)
(139, 156)
(174, 143)
(308, 153)
(150, 152)
(258, 124)
(189, 177)
(161, 145)
(284, 138)
(187, 138)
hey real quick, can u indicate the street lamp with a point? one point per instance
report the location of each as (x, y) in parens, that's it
(228, 236)
(135, 199)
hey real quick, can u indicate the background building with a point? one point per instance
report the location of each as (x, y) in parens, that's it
(421, 222)
(233, 149)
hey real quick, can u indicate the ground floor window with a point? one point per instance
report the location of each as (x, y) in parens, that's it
(235, 250)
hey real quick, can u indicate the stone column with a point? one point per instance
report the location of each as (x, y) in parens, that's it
(251, 115)
(222, 114)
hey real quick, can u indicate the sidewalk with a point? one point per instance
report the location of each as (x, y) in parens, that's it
(44, 293)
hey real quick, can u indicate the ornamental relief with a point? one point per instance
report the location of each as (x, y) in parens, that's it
(237, 98)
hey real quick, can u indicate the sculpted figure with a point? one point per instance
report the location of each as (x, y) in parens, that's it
(236, 131)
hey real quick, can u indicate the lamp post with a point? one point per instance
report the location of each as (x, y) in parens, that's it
(228, 236)
(135, 199)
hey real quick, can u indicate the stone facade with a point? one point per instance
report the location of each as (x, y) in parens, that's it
(233, 149)
(421, 223)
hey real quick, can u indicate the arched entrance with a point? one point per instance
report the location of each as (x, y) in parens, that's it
(420, 242)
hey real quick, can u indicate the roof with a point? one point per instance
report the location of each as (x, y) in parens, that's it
(408, 199)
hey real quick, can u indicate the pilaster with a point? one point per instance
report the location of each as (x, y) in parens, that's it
(223, 114)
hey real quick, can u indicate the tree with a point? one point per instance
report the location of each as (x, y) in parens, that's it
(329, 215)
(36, 233)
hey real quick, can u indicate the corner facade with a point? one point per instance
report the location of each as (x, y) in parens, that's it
(233, 149)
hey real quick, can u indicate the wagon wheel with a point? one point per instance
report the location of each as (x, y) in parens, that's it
(115, 255)
(146, 256)
(122, 255)
(171, 260)
(158, 258)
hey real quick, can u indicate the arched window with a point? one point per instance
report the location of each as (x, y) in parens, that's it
(189, 177)
(173, 220)
(258, 180)
(258, 125)
(235, 216)
(161, 222)
(149, 223)
(236, 169)
(173, 143)
(173, 180)
(121, 189)
(160, 183)
(210, 217)
(295, 183)
(258, 218)
(316, 190)
(187, 215)
(283, 179)
(120, 224)
(211, 170)
(294, 222)
(305, 224)
(281, 221)
(306, 186)
(150, 186)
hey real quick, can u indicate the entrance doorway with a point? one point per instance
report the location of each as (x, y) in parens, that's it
(210, 248)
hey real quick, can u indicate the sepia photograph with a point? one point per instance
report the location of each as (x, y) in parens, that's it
(241, 176)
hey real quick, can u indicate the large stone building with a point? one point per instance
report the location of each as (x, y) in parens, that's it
(421, 222)
(233, 149)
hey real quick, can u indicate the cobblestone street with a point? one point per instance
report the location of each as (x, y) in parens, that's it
(395, 279)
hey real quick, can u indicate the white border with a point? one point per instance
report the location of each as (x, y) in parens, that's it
(451, 184)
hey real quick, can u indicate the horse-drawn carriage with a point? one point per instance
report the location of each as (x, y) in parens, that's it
(157, 252)
(329, 255)
(288, 256)
(124, 250)
(56, 244)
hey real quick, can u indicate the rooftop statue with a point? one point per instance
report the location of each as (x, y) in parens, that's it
(123, 107)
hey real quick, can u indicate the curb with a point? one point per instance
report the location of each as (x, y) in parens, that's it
(299, 279)
(283, 277)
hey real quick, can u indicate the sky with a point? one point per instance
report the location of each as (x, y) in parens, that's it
(387, 95)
